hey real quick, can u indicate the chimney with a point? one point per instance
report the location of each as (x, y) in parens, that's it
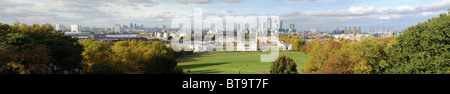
(345, 30)
(349, 30)
(359, 30)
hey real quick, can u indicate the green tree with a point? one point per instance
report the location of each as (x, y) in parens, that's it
(103, 68)
(32, 48)
(283, 65)
(422, 49)
(162, 65)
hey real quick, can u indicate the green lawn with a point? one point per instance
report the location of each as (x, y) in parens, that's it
(234, 62)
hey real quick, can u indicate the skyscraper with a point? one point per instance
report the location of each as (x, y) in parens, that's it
(291, 27)
(280, 25)
(131, 25)
(142, 26)
(75, 28)
(135, 26)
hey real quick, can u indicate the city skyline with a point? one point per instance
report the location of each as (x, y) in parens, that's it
(306, 14)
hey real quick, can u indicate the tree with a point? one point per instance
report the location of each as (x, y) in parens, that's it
(33, 48)
(319, 53)
(161, 65)
(283, 65)
(95, 51)
(103, 68)
(297, 44)
(338, 65)
(422, 49)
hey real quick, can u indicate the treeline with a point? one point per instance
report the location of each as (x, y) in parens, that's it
(421, 49)
(39, 49)
(297, 43)
(129, 57)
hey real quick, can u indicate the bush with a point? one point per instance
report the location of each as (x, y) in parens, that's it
(283, 65)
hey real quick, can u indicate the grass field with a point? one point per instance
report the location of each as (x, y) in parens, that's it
(234, 62)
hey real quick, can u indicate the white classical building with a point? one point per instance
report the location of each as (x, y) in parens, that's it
(198, 46)
(284, 46)
(353, 37)
(247, 46)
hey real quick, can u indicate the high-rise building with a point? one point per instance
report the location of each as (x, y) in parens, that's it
(142, 26)
(117, 28)
(135, 26)
(131, 26)
(164, 27)
(354, 31)
(292, 27)
(59, 27)
(75, 28)
(280, 25)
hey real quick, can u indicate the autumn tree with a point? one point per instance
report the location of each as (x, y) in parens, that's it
(319, 53)
(337, 65)
(297, 44)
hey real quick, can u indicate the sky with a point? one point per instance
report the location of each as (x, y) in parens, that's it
(306, 14)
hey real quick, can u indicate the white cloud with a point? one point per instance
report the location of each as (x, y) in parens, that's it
(234, 1)
(194, 1)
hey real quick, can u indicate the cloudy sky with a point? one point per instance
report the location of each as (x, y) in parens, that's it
(306, 14)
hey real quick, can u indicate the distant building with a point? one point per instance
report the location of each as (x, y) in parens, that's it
(75, 28)
(313, 30)
(390, 34)
(59, 27)
(292, 27)
(243, 45)
(117, 28)
(284, 46)
(131, 26)
(280, 25)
